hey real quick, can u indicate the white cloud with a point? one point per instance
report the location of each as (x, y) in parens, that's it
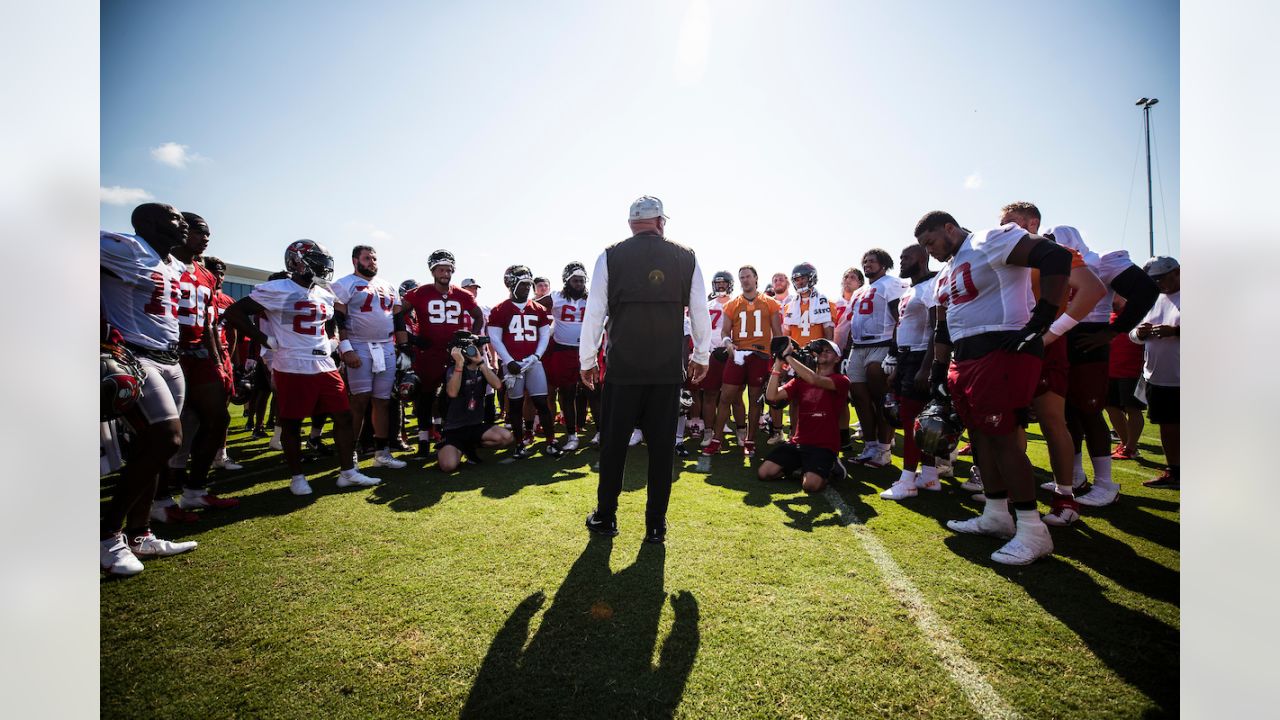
(116, 195)
(973, 182)
(175, 155)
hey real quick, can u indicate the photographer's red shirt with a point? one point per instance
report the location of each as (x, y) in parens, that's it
(818, 411)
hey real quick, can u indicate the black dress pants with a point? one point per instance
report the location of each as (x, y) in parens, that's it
(653, 409)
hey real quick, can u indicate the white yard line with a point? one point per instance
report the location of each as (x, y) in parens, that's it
(984, 698)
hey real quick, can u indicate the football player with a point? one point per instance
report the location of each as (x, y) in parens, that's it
(867, 330)
(365, 313)
(913, 338)
(139, 287)
(1088, 354)
(541, 287)
(568, 307)
(751, 321)
(229, 346)
(996, 336)
(849, 283)
(520, 330)
(204, 413)
(299, 311)
(1083, 291)
(439, 308)
(707, 392)
(781, 289)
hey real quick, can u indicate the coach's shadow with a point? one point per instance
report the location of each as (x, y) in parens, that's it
(592, 653)
(1141, 649)
(425, 488)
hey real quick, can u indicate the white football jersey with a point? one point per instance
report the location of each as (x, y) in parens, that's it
(980, 291)
(295, 322)
(568, 315)
(140, 295)
(913, 315)
(370, 302)
(870, 320)
(1107, 268)
(715, 308)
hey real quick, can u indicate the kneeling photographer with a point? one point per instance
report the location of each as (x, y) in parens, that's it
(465, 426)
(818, 392)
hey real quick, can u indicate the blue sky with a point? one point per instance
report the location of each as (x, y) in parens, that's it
(519, 132)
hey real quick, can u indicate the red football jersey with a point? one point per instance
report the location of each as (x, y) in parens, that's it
(818, 411)
(519, 325)
(194, 305)
(439, 315)
(221, 301)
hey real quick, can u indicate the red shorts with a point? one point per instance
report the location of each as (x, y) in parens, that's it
(201, 371)
(1053, 371)
(753, 371)
(562, 367)
(430, 365)
(1087, 385)
(301, 396)
(986, 392)
(712, 380)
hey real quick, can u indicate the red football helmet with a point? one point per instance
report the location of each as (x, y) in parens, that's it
(122, 379)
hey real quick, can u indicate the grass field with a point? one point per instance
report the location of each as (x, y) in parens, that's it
(479, 594)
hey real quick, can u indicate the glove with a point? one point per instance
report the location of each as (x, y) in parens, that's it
(779, 345)
(938, 382)
(404, 363)
(249, 365)
(1026, 339)
(721, 354)
(527, 363)
(888, 364)
(514, 368)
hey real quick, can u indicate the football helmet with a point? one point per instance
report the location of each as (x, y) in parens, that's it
(727, 278)
(938, 429)
(407, 285)
(441, 257)
(515, 275)
(309, 258)
(686, 401)
(572, 268)
(807, 271)
(407, 384)
(243, 387)
(122, 379)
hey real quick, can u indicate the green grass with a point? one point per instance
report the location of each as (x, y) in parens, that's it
(478, 594)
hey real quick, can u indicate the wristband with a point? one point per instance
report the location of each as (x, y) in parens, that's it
(344, 347)
(1062, 325)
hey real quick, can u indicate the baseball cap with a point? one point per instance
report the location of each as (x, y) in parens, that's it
(819, 344)
(1160, 266)
(469, 282)
(645, 208)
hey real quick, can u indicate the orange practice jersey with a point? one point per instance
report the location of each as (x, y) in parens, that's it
(750, 322)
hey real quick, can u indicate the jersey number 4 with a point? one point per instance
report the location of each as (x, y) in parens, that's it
(523, 327)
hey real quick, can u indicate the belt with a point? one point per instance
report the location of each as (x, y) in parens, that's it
(201, 353)
(164, 357)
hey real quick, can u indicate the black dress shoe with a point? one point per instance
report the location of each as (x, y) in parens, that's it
(602, 526)
(656, 534)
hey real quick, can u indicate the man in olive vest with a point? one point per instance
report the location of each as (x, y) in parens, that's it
(641, 288)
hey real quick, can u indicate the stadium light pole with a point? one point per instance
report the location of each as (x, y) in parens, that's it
(1145, 104)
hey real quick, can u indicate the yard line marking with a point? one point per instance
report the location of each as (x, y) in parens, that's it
(984, 698)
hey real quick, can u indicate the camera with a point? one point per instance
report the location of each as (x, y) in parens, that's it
(468, 343)
(806, 356)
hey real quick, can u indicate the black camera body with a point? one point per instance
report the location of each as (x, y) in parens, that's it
(468, 343)
(801, 355)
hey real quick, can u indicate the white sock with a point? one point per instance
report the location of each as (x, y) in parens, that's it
(424, 435)
(680, 424)
(193, 493)
(907, 476)
(1028, 519)
(996, 506)
(275, 433)
(929, 473)
(1065, 490)
(1102, 470)
(299, 477)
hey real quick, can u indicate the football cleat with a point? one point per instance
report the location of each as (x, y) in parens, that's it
(749, 448)
(711, 448)
(384, 458)
(1099, 496)
(117, 559)
(974, 483)
(319, 446)
(595, 441)
(552, 451)
(202, 499)
(355, 477)
(607, 527)
(1063, 511)
(996, 525)
(776, 438)
(636, 437)
(1164, 481)
(1121, 454)
(1030, 544)
(570, 443)
(901, 490)
(299, 486)
(274, 443)
(656, 535)
(867, 454)
(520, 452)
(223, 461)
(681, 450)
(930, 485)
(169, 512)
(150, 546)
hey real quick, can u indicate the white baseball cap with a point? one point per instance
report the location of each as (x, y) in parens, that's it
(645, 208)
(469, 282)
(1160, 266)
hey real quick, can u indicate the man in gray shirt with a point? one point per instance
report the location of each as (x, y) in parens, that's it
(643, 286)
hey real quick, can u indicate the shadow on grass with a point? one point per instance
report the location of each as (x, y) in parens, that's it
(592, 655)
(1140, 649)
(415, 492)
